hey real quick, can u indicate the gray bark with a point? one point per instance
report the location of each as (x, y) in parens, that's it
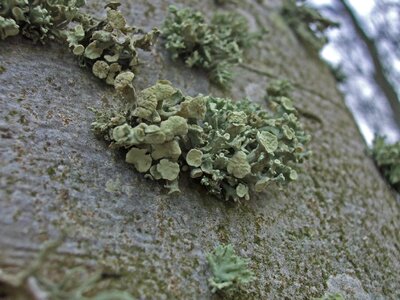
(336, 229)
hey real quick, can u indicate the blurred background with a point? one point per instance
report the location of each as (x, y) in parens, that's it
(364, 54)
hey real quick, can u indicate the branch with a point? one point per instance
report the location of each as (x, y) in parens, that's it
(379, 71)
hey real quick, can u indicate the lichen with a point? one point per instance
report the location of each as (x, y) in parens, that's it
(216, 46)
(228, 270)
(108, 47)
(38, 20)
(387, 157)
(75, 284)
(308, 24)
(231, 148)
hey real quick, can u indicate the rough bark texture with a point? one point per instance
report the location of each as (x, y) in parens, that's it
(336, 229)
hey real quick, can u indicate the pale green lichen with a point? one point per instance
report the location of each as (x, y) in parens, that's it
(108, 47)
(8, 27)
(75, 284)
(194, 158)
(37, 20)
(140, 158)
(279, 88)
(168, 170)
(216, 46)
(228, 270)
(232, 148)
(308, 24)
(387, 157)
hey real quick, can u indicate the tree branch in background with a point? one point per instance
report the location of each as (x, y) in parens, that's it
(379, 70)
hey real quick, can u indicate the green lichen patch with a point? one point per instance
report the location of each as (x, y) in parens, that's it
(216, 46)
(279, 88)
(387, 157)
(308, 24)
(75, 284)
(38, 20)
(108, 47)
(228, 269)
(231, 148)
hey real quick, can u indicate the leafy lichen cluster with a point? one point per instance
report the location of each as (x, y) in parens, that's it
(229, 270)
(108, 47)
(387, 157)
(38, 20)
(229, 147)
(215, 47)
(307, 23)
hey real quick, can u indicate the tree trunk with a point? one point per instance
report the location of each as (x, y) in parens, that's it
(335, 229)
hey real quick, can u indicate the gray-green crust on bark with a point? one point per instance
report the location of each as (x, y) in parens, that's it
(337, 229)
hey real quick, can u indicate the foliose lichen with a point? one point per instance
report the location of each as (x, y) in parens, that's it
(108, 47)
(308, 24)
(387, 157)
(231, 148)
(38, 20)
(228, 269)
(216, 46)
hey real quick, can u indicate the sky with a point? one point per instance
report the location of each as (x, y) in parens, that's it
(378, 109)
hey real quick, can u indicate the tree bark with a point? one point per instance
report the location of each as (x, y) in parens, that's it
(334, 230)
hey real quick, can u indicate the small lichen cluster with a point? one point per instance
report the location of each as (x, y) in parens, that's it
(108, 47)
(228, 269)
(387, 157)
(215, 47)
(229, 147)
(38, 20)
(307, 23)
(76, 283)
